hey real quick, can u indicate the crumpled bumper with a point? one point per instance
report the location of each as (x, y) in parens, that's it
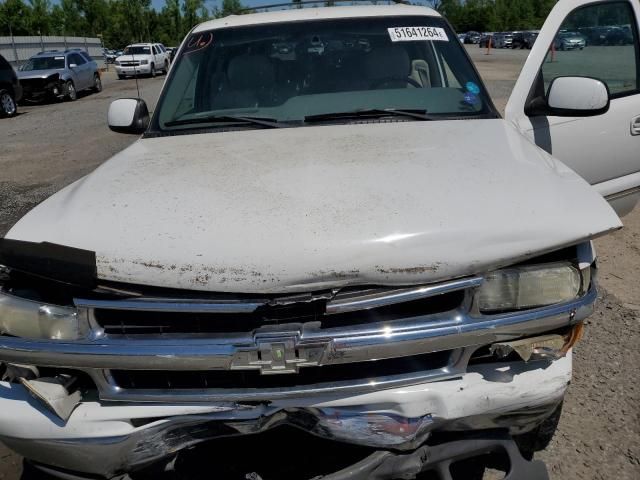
(515, 396)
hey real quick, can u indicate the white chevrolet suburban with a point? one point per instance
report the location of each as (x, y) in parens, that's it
(143, 59)
(326, 224)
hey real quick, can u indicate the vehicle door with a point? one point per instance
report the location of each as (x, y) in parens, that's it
(79, 66)
(157, 57)
(166, 54)
(563, 115)
(92, 66)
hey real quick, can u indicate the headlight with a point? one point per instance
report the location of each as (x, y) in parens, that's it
(529, 286)
(144, 62)
(24, 318)
(117, 63)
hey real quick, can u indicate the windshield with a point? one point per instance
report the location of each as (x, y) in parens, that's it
(44, 63)
(287, 72)
(137, 51)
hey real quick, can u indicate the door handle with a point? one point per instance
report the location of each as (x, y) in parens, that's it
(635, 126)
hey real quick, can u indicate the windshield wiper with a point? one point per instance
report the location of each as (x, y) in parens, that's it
(233, 119)
(369, 113)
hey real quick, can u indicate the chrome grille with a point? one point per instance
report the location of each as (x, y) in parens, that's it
(241, 347)
(246, 380)
(124, 322)
(295, 345)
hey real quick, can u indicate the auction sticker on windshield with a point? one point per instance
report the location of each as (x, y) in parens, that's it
(412, 34)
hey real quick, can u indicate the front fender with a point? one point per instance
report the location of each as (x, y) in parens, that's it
(65, 77)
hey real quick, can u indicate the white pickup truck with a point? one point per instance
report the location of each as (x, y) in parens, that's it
(327, 225)
(143, 59)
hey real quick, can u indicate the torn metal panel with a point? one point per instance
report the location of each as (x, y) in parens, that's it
(449, 203)
(13, 372)
(54, 394)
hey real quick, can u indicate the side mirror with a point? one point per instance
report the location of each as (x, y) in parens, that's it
(578, 96)
(572, 97)
(72, 65)
(128, 115)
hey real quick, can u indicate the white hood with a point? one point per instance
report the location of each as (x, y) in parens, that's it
(308, 208)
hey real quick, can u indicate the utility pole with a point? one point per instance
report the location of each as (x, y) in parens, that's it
(13, 44)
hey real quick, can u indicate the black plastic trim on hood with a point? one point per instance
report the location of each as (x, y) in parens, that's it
(51, 261)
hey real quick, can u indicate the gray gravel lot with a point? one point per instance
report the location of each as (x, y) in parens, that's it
(50, 146)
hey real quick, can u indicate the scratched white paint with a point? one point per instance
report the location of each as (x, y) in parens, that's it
(290, 210)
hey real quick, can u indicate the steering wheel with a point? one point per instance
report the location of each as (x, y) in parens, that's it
(407, 80)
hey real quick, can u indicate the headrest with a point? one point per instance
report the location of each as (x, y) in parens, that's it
(390, 61)
(250, 72)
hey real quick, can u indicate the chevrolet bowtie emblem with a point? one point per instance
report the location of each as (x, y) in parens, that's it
(273, 355)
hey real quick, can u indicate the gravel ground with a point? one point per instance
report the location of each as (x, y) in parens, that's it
(50, 146)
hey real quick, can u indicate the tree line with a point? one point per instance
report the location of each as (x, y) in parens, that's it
(121, 22)
(495, 15)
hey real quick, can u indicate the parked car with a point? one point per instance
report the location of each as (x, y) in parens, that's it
(472, 38)
(524, 40)
(59, 75)
(486, 39)
(503, 40)
(143, 59)
(619, 36)
(570, 41)
(608, 35)
(172, 52)
(109, 55)
(349, 240)
(10, 89)
(497, 40)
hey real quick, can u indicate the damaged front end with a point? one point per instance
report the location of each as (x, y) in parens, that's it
(40, 88)
(128, 437)
(133, 375)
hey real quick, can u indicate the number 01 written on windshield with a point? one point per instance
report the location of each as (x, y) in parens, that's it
(408, 34)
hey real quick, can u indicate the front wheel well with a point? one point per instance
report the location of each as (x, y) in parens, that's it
(7, 86)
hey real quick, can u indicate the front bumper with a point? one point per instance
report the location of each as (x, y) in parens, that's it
(36, 93)
(516, 396)
(573, 46)
(133, 71)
